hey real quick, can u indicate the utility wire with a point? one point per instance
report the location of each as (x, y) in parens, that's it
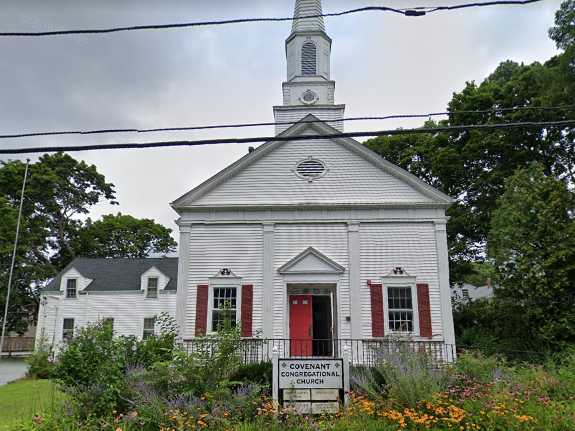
(282, 123)
(411, 12)
(170, 144)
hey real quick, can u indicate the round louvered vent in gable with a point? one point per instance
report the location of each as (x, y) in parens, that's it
(311, 169)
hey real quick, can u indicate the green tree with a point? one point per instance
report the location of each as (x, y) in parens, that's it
(532, 244)
(472, 166)
(123, 236)
(60, 188)
(58, 191)
(564, 31)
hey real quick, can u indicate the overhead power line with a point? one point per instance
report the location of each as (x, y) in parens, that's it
(410, 12)
(281, 123)
(195, 143)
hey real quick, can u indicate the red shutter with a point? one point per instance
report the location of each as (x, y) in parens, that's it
(202, 310)
(377, 320)
(424, 310)
(247, 309)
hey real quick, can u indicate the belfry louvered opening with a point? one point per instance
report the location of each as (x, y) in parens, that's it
(311, 169)
(309, 59)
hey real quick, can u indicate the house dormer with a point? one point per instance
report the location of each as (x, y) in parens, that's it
(73, 283)
(153, 282)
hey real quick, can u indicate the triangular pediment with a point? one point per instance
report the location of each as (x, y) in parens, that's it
(311, 261)
(355, 175)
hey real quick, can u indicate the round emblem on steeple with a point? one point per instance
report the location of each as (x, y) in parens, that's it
(309, 97)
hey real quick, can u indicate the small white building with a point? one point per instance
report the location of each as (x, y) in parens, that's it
(309, 242)
(129, 293)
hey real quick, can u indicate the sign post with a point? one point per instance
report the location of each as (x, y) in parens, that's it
(311, 386)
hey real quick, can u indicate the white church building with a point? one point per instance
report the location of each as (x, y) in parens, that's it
(307, 243)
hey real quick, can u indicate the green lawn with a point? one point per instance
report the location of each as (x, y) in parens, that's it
(21, 400)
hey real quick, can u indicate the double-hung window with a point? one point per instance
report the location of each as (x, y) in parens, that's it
(401, 313)
(68, 330)
(152, 291)
(224, 307)
(149, 327)
(71, 288)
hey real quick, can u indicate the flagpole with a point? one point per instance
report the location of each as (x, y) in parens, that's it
(13, 258)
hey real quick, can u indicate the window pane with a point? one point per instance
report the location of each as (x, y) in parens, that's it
(152, 292)
(149, 327)
(152, 282)
(400, 305)
(71, 288)
(68, 329)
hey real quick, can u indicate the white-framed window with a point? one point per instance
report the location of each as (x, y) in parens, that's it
(67, 329)
(149, 327)
(224, 305)
(400, 305)
(72, 288)
(152, 288)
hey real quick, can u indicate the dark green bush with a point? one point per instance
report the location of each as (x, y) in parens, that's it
(91, 368)
(260, 374)
(40, 365)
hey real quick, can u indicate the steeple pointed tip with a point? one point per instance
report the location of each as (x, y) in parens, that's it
(305, 8)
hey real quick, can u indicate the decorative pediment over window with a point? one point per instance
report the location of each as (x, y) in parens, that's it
(225, 273)
(398, 271)
(311, 261)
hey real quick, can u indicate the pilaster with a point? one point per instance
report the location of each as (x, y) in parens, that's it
(268, 280)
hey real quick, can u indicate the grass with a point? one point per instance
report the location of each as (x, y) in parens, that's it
(22, 400)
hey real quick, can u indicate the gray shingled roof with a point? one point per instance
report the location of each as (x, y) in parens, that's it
(111, 275)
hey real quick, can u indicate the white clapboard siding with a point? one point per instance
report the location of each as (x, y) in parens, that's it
(411, 246)
(128, 309)
(331, 116)
(350, 179)
(290, 240)
(213, 247)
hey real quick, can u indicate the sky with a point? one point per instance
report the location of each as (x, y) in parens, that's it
(382, 64)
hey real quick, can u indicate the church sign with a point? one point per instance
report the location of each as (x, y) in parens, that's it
(311, 386)
(311, 373)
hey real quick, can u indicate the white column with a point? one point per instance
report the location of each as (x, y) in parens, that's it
(183, 271)
(268, 280)
(444, 287)
(354, 279)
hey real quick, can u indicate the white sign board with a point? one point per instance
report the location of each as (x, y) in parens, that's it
(311, 374)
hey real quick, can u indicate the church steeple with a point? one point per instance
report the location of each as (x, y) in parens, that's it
(308, 8)
(309, 88)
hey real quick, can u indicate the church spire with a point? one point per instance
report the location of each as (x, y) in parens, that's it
(309, 88)
(308, 8)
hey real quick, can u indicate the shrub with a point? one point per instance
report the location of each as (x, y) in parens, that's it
(91, 369)
(259, 373)
(405, 376)
(478, 367)
(40, 365)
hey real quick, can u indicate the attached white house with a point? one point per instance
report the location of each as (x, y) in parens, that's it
(128, 293)
(306, 242)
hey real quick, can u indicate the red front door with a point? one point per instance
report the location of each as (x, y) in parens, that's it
(301, 325)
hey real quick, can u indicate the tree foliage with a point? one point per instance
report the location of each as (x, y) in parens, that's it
(563, 33)
(123, 236)
(472, 166)
(532, 243)
(60, 192)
